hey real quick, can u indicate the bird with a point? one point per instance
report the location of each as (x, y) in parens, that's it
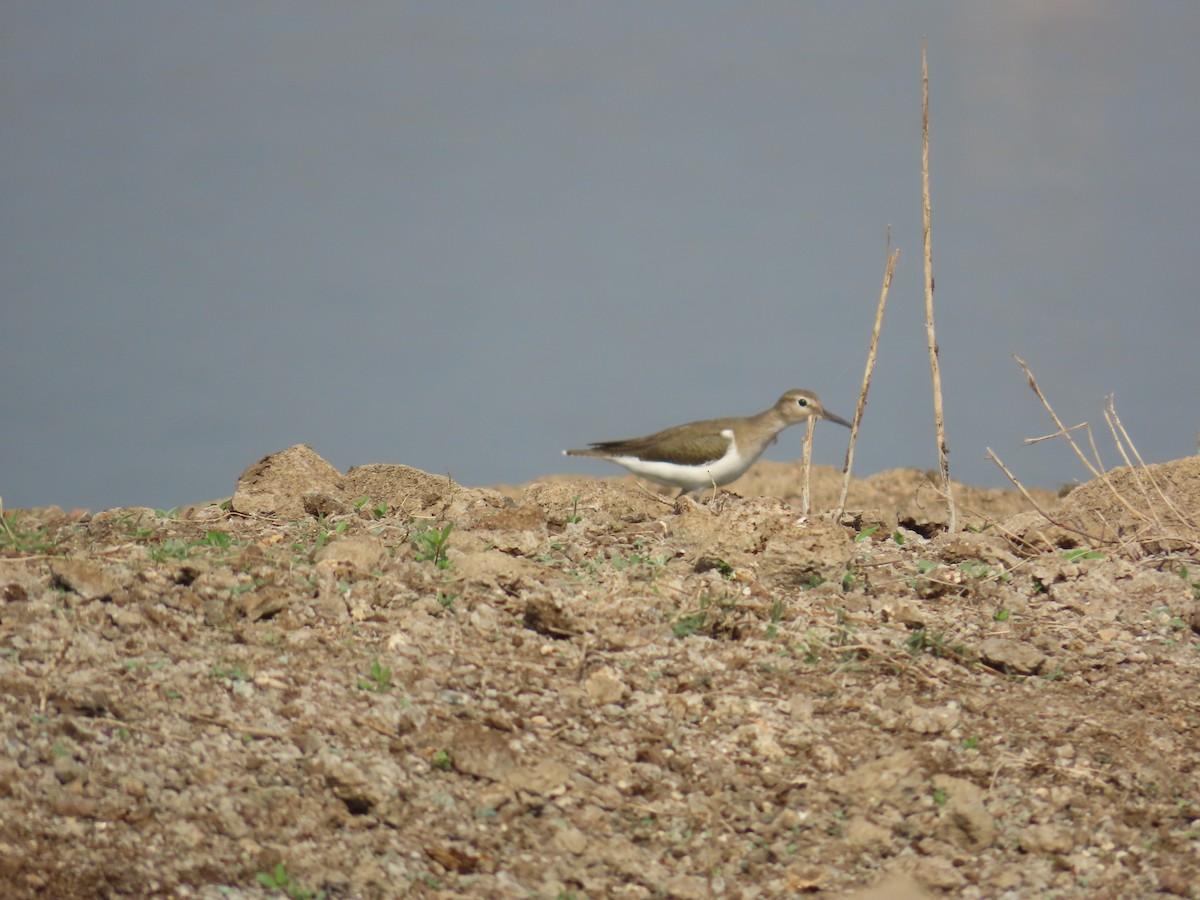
(713, 452)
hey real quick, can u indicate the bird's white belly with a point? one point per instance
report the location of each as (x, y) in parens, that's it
(720, 472)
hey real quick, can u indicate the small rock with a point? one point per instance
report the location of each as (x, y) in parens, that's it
(939, 873)
(263, 603)
(545, 778)
(1173, 881)
(68, 769)
(867, 837)
(934, 720)
(570, 840)
(1047, 839)
(362, 552)
(964, 820)
(87, 579)
(604, 686)
(484, 619)
(1012, 657)
(893, 887)
(9, 772)
(482, 752)
(687, 887)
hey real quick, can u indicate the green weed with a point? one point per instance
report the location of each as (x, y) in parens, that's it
(574, 518)
(380, 680)
(279, 880)
(22, 541)
(430, 544)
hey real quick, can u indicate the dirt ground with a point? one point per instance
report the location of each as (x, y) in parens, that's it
(379, 683)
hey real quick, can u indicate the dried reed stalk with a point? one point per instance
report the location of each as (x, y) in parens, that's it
(888, 269)
(939, 418)
(806, 467)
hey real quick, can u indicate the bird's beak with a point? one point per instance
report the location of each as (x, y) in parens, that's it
(832, 418)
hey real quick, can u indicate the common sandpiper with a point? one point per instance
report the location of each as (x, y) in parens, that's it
(711, 453)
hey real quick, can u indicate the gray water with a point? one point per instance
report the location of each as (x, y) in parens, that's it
(462, 236)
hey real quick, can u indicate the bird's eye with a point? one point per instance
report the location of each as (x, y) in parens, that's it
(802, 401)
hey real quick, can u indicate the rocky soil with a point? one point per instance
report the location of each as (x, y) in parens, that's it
(379, 683)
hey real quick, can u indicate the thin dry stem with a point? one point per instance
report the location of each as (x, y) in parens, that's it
(939, 417)
(991, 454)
(1114, 422)
(1062, 429)
(888, 269)
(1050, 437)
(806, 467)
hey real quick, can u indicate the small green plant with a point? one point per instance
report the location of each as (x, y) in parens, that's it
(689, 625)
(172, 513)
(574, 518)
(324, 532)
(899, 538)
(1082, 553)
(218, 539)
(233, 673)
(20, 540)
(173, 549)
(279, 880)
(430, 544)
(935, 645)
(939, 797)
(776, 618)
(446, 600)
(380, 680)
(442, 760)
(970, 743)
(865, 534)
(1195, 585)
(1000, 615)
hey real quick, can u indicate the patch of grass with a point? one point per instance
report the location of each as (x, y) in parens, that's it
(921, 641)
(865, 534)
(446, 600)
(639, 559)
(20, 540)
(278, 879)
(431, 544)
(378, 511)
(776, 618)
(574, 518)
(173, 549)
(441, 759)
(233, 673)
(1001, 615)
(380, 680)
(1082, 553)
(1195, 585)
(689, 625)
(970, 743)
(179, 549)
(218, 539)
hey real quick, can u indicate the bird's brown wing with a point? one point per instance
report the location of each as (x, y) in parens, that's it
(680, 444)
